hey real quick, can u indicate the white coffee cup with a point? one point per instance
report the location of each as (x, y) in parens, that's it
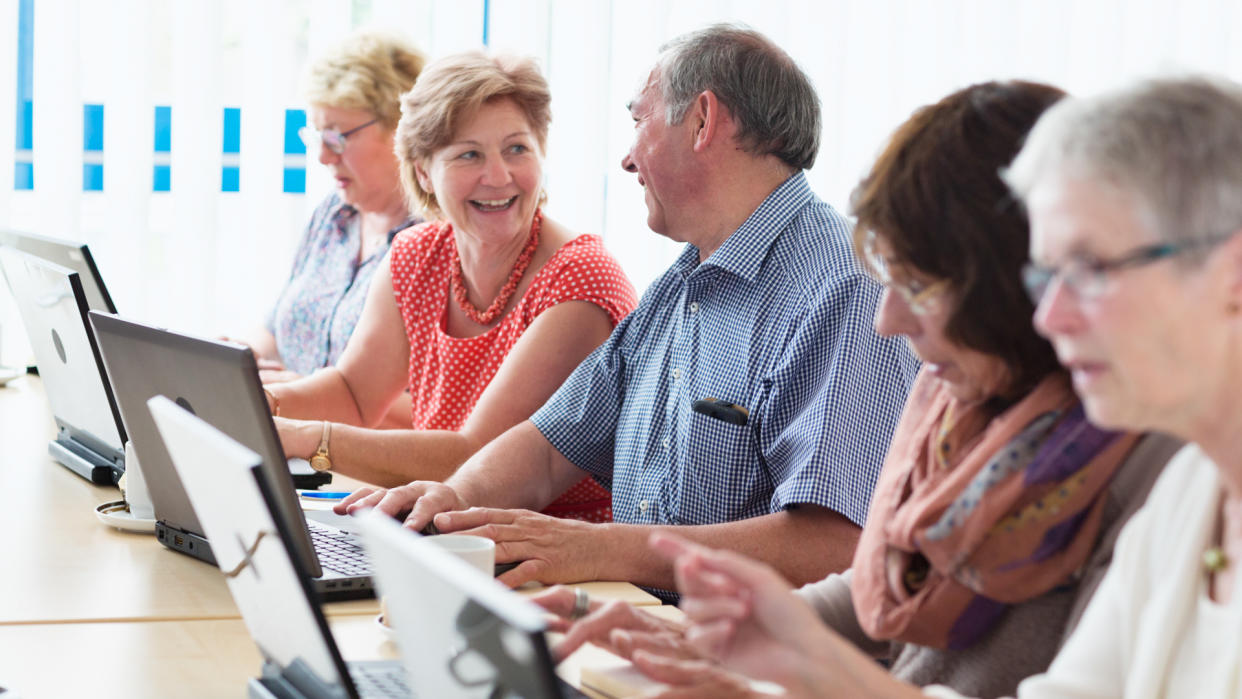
(137, 496)
(478, 551)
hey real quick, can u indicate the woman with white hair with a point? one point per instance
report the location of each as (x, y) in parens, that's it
(1135, 201)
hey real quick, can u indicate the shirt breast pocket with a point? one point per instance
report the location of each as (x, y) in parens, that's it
(723, 478)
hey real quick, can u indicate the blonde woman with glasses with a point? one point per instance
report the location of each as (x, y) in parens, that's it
(354, 93)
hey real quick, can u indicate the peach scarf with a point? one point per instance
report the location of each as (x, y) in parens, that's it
(975, 511)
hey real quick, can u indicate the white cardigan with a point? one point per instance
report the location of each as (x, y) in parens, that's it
(1126, 641)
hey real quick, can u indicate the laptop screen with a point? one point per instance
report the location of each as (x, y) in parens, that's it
(53, 309)
(461, 633)
(275, 601)
(214, 380)
(68, 254)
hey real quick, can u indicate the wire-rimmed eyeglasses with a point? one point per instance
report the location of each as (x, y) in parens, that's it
(332, 139)
(920, 298)
(1088, 277)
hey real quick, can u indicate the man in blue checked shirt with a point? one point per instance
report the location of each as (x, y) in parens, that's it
(747, 400)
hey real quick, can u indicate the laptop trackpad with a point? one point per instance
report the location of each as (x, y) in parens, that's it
(332, 519)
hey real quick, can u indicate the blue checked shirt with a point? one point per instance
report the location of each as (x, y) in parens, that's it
(779, 320)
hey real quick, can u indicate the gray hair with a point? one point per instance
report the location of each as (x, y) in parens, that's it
(772, 100)
(1173, 144)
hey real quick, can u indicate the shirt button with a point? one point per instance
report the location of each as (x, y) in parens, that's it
(694, 306)
(667, 442)
(676, 374)
(642, 506)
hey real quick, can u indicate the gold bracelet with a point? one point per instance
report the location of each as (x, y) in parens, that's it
(275, 401)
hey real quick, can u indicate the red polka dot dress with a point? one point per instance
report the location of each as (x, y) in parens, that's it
(448, 374)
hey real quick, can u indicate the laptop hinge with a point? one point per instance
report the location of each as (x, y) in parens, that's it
(297, 681)
(68, 455)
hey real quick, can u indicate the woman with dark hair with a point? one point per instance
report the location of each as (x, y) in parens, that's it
(996, 511)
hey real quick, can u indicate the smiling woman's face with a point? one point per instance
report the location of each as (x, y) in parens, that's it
(487, 180)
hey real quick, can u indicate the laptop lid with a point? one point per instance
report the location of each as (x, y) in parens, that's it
(53, 307)
(461, 633)
(68, 254)
(225, 481)
(219, 382)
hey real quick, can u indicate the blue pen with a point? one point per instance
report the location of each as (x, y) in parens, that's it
(323, 494)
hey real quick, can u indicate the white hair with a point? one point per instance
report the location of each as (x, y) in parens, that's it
(1174, 145)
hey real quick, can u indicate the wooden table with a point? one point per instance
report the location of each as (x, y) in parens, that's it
(88, 610)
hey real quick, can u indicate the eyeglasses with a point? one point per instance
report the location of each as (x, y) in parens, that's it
(920, 298)
(331, 138)
(1088, 277)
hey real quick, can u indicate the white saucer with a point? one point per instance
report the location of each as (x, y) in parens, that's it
(389, 632)
(8, 373)
(116, 514)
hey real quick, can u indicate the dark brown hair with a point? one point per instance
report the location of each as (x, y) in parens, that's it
(935, 197)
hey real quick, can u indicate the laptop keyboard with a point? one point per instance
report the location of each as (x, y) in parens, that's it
(338, 551)
(379, 679)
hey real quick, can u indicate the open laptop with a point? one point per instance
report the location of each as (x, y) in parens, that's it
(90, 436)
(228, 486)
(219, 382)
(66, 253)
(461, 634)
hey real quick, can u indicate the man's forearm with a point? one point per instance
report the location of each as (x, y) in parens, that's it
(805, 544)
(519, 469)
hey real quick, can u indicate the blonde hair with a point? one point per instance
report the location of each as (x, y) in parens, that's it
(450, 91)
(368, 70)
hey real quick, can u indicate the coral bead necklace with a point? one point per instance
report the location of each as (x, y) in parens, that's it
(497, 306)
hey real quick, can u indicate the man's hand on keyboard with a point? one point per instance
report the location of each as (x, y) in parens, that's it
(416, 503)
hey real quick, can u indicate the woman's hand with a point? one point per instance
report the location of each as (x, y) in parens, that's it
(740, 608)
(746, 617)
(692, 679)
(618, 626)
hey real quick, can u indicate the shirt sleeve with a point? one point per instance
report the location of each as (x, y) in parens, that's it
(580, 419)
(833, 402)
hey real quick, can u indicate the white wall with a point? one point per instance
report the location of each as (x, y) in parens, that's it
(208, 262)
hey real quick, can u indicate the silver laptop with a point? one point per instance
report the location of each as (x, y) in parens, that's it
(255, 549)
(90, 436)
(66, 253)
(461, 633)
(219, 382)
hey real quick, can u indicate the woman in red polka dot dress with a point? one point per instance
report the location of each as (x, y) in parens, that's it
(482, 314)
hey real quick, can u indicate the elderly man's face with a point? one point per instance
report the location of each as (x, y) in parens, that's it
(660, 157)
(1136, 340)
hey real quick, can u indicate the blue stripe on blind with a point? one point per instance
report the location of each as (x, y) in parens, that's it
(161, 174)
(92, 147)
(295, 152)
(23, 155)
(230, 172)
(487, 16)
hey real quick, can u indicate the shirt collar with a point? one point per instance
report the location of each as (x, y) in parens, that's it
(744, 251)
